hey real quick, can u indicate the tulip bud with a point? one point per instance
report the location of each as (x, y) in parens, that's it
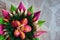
(5, 13)
(21, 11)
(36, 16)
(14, 23)
(21, 6)
(28, 14)
(38, 33)
(11, 14)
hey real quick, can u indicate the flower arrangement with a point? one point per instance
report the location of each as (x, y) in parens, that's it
(20, 24)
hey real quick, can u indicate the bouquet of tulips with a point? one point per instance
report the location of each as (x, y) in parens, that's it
(20, 24)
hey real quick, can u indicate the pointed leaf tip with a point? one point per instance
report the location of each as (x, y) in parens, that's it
(30, 9)
(28, 14)
(2, 37)
(36, 16)
(1, 20)
(21, 6)
(13, 8)
(36, 38)
(40, 22)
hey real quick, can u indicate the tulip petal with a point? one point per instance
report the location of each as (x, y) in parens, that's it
(1, 32)
(36, 16)
(5, 14)
(21, 6)
(24, 21)
(27, 28)
(38, 33)
(16, 33)
(22, 35)
(18, 23)
(1, 29)
(40, 22)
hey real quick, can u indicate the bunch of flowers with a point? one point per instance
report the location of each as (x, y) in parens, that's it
(20, 24)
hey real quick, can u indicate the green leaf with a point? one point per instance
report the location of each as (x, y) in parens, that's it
(5, 23)
(1, 20)
(30, 9)
(36, 39)
(40, 22)
(13, 8)
(2, 37)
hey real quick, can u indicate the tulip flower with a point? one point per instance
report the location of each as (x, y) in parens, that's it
(20, 21)
(22, 28)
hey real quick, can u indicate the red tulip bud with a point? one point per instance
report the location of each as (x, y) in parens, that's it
(5, 13)
(14, 23)
(36, 16)
(21, 6)
(28, 14)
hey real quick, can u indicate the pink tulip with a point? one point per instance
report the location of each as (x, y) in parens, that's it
(21, 6)
(38, 33)
(5, 13)
(36, 16)
(1, 29)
